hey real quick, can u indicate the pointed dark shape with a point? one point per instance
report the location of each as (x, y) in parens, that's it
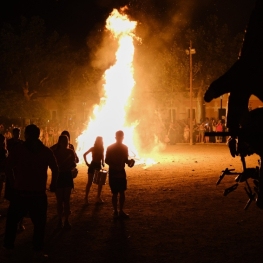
(245, 77)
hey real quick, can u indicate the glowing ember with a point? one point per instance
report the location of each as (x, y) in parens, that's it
(146, 162)
(110, 114)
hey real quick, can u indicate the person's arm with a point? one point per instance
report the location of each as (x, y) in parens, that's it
(85, 156)
(130, 162)
(103, 160)
(126, 154)
(71, 146)
(74, 160)
(54, 169)
(107, 157)
(76, 157)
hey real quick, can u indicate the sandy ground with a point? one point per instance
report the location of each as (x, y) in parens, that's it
(177, 214)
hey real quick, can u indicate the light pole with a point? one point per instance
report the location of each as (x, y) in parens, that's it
(190, 52)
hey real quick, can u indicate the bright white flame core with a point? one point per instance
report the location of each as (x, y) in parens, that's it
(110, 114)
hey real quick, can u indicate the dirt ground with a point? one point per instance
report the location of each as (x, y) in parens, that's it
(177, 214)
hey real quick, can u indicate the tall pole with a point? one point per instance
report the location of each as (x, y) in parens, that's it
(190, 52)
(191, 94)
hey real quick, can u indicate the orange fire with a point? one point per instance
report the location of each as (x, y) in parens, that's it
(110, 114)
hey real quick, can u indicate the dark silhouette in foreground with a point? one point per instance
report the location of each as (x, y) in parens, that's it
(11, 144)
(97, 162)
(26, 169)
(241, 81)
(116, 158)
(66, 160)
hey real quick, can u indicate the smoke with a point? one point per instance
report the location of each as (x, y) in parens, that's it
(160, 24)
(167, 17)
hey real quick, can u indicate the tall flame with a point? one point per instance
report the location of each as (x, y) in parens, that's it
(110, 114)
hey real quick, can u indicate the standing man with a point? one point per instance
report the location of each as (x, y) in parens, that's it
(116, 158)
(15, 140)
(27, 167)
(11, 144)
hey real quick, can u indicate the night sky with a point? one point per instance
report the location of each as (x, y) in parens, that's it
(78, 18)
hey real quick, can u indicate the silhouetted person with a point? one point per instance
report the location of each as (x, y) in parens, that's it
(66, 162)
(116, 158)
(27, 167)
(3, 157)
(71, 146)
(15, 140)
(11, 144)
(97, 161)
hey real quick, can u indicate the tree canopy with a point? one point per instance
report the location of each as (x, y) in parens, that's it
(36, 63)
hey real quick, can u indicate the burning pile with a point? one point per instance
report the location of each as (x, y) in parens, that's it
(110, 114)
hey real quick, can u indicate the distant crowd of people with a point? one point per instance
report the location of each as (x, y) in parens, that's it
(48, 134)
(23, 177)
(179, 132)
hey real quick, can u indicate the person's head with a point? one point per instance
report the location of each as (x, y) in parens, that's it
(98, 142)
(66, 133)
(119, 136)
(16, 133)
(63, 141)
(32, 132)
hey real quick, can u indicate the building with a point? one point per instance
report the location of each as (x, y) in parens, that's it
(179, 108)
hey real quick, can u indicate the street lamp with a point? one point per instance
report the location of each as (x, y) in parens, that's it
(190, 52)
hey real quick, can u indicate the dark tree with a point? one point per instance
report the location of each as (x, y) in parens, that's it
(216, 50)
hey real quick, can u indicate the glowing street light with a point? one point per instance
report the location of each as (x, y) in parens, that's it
(190, 52)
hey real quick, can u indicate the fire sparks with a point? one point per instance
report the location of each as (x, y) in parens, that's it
(110, 114)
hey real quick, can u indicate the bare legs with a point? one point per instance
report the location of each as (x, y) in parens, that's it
(115, 202)
(89, 183)
(98, 199)
(122, 200)
(63, 205)
(121, 204)
(88, 186)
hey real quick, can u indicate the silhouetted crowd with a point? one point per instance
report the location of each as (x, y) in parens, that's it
(23, 176)
(179, 131)
(48, 134)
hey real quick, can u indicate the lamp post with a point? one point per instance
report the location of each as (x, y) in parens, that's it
(190, 52)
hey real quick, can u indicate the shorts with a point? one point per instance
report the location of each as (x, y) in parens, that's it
(117, 181)
(117, 184)
(94, 166)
